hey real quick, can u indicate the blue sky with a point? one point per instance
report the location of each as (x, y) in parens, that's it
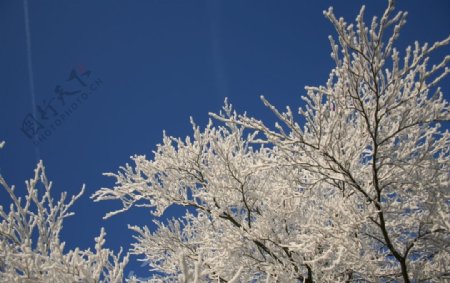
(146, 67)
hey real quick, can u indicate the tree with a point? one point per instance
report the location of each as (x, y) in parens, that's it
(355, 188)
(358, 191)
(30, 245)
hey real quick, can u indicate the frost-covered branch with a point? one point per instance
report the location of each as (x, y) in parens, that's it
(375, 128)
(30, 245)
(355, 189)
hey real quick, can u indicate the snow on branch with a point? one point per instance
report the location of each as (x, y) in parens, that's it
(353, 188)
(30, 245)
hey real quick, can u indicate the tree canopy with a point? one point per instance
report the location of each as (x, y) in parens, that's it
(354, 187)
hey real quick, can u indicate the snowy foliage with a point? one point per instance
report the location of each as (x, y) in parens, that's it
(357, 191)
(353, 188)
(30, 246)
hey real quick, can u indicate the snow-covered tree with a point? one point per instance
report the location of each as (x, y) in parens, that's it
(354, 189)
(30, 245)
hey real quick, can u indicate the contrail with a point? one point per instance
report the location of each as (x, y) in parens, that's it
(217, 58)
(30, 71)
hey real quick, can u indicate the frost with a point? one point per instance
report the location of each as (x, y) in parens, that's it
(30, 246)
(353, 190)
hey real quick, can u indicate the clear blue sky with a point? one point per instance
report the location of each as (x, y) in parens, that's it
(158, 62)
